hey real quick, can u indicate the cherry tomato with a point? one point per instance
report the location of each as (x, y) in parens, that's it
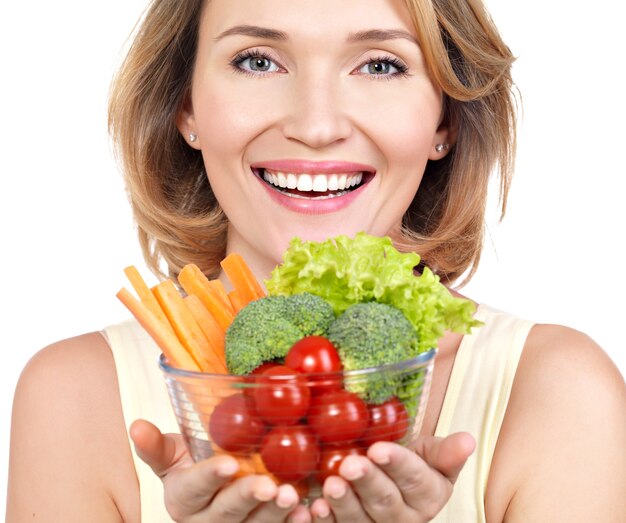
(331, 458)
(282, 397)
(290, 452)
(249, 390)
(316, 354)
(338, 416)
(388, 422)
(234, 425)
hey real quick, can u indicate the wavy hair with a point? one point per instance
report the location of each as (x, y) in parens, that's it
(178, 218)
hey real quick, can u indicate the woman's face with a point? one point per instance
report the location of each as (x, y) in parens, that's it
(315, 118)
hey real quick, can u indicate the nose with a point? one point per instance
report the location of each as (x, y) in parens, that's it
(316, 116)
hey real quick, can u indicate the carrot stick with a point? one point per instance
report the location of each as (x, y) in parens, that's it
(184, 324)
(145, 294)
(176, 354)
(242, 279)
(217, 287)
(236, 301)
(211, 329)
(195, 282)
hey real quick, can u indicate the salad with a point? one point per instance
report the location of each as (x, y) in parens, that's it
(332, 309)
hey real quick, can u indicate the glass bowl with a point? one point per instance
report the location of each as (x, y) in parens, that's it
(298, 428)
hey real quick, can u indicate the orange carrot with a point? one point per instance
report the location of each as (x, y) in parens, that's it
(145, 294)
(211, 329)
(195, 282)
(244, 282)
(218, 288)
(185, 326)
(236, 301)
(161, 332)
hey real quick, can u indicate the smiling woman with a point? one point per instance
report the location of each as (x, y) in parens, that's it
(241, 124)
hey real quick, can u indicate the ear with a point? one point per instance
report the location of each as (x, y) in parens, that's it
(443, 140)
(186, 124)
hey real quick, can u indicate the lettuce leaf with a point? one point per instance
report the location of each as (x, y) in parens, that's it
(345, 271)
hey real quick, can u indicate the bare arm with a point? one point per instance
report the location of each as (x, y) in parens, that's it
(70, 458)
(561, 455)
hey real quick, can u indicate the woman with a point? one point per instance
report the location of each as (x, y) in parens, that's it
(409, 105)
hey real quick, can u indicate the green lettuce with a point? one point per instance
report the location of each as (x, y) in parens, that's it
(345, 271)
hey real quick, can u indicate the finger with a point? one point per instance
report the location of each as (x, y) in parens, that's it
(300, 515)
(160, 451)
(188, 487)
(235, 501)
(321, 511)
(447, 455)
(379, 495)
(344, 503)
(424, 488)
(278, 509)
(190, 491)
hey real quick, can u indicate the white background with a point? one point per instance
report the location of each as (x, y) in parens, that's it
(67, 232)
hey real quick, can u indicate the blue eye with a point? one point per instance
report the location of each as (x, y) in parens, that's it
(254, 62)
(384, 66)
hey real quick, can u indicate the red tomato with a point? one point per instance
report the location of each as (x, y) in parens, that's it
(282, 396)
(290, 452)
(331, 458)
(388, 422)
(249, 390)
(234, 425)
(338, 416)
(263, 367)
(316, 354)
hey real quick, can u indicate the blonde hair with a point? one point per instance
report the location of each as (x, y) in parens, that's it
(178, 217)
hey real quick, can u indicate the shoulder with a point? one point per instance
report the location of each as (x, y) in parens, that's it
(69, 452)
(564, 432)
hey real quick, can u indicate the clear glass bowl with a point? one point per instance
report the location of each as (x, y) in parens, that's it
(297, 429)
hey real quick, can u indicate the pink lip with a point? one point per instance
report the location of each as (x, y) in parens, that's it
(311, 167)
(313, 205)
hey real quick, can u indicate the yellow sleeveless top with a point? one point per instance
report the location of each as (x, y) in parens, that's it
(475, 402)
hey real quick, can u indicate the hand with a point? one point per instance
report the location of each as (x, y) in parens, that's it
(205, 491)
(394, 483)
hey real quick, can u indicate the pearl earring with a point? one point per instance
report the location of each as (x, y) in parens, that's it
(193, 137)
(441, 147)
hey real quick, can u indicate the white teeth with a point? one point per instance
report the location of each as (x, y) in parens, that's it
(305, 182)
(312, 183)
(319, 183)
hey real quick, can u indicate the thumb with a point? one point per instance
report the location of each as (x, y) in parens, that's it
(447, 455)
(160, 451)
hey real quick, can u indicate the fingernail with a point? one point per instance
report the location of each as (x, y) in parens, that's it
(352, 472)
(381, 459)
(263, 494)
(323, 512)
(226, 470)
(285, 500)
(338, 492)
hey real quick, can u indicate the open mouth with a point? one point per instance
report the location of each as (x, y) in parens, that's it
(313, 186)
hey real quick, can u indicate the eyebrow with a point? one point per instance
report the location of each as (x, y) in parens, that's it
(381, 35)
(359, 36)
(253, 30)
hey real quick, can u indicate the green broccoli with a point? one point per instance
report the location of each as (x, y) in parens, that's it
(266, 329)
(372, 334)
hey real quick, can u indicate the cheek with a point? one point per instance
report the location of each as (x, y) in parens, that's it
(227, 118)
(402, 125)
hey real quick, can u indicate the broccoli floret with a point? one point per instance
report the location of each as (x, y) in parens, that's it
(266, 329)
(372, 334)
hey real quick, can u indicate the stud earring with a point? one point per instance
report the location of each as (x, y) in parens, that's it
(441, 147)
(193, 137)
